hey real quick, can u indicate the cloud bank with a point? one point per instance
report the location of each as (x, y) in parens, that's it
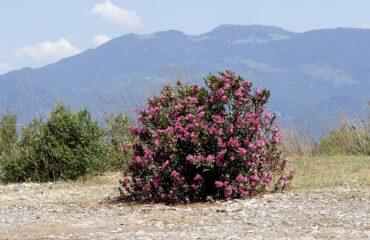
(363, 26)
(48, 50)
(4, 67)
(114, 14)
(99, 40)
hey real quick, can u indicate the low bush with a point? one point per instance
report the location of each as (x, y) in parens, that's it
(195, 144)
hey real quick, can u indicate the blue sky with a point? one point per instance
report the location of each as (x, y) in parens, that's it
(38, 32)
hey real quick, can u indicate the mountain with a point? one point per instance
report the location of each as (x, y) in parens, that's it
(312, 76)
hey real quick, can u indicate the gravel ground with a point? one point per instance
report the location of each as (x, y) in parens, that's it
(79, 211)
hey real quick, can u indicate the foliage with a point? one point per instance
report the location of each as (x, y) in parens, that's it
(8, 140)
(351, 139)
(194, 144)
(66, 146)
(8, 133)
(116, 137)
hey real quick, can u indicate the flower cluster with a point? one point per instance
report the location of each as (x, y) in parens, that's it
(194, 143)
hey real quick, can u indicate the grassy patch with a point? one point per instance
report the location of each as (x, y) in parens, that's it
(331, 171)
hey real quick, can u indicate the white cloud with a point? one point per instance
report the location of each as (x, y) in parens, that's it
(363, 26)
(5, 67)
(100, 39)
(48, 50)
(112, 13)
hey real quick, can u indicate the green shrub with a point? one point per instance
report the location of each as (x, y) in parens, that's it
(68, 145)
(351, 139)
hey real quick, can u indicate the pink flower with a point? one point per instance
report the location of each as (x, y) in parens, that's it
(146, 188)
(218, 119)
(242, 152)
(252, 147)
(247, 84)
(277, 167)
(157, 180)
(228, 191)
(270, 176)
(240, 178)
(210, 158)
(198, 177)
(137, 159)
(175, 174)
(268, 116)
(276, 138)
(193, 100)
(276, 128)
(242, 192)
(138, 182)
(281, 183)
(190, 158)
(190, 117)
(226, 87)
(239, 92)
(201, 114)
(221, 155)
(220, 143)
(165, 164)
(219, 183)
(224, 99)
(233, 143)
(255, 179)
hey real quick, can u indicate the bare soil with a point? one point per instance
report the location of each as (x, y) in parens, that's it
(80, 211)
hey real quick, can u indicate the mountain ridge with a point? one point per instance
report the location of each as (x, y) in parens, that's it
(308, 73)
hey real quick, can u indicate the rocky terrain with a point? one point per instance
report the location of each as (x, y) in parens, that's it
(83, 210)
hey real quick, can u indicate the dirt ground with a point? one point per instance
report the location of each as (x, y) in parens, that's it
(81, 211)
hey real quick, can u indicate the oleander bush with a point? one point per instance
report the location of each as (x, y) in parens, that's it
(194, 144)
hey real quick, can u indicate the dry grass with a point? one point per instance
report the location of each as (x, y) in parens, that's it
(312, 173)
(331, 171)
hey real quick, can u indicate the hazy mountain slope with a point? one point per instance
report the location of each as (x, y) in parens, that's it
(312, 75)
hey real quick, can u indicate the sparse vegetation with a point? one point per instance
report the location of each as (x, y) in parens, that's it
(116, 138)
(320, 172)
(351, 138)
